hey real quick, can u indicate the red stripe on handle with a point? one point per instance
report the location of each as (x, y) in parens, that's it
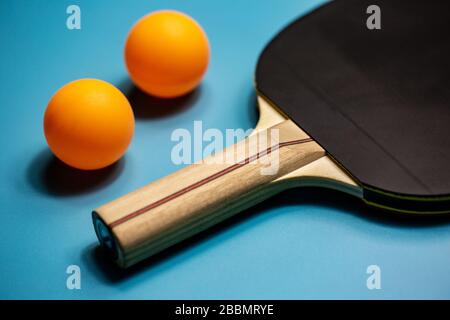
(204, 181)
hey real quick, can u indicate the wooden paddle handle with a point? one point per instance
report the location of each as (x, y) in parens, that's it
(198, 196)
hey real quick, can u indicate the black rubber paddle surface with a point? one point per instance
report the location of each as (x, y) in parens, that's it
(377, 100)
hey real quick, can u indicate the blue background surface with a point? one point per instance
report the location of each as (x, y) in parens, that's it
(305, 243)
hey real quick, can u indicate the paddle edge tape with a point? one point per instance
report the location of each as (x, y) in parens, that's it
(406, 203)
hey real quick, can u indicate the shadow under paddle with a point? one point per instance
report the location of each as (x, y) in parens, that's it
(106, 269)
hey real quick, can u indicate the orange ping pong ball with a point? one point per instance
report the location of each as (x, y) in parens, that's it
(167, 54)
(88, 124)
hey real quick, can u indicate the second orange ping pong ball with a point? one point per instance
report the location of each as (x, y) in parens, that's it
(88, 124)
(167, 54)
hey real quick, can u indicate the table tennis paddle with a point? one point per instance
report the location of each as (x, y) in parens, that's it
(362, 111)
